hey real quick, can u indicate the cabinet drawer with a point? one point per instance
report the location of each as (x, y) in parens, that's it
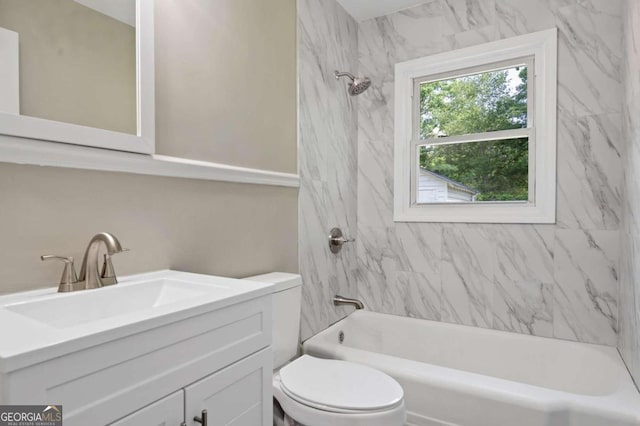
(239, 395)
(99, 385)
(169, 411)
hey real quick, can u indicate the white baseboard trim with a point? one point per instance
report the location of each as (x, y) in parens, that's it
(34, 152)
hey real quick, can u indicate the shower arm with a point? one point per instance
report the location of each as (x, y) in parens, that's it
(338, 74)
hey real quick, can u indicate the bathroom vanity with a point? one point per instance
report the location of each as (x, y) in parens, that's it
(157, 348)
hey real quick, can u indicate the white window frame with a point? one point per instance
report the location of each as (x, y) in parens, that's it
(537, 49)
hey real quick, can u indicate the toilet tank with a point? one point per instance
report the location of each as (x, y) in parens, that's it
(286, 314)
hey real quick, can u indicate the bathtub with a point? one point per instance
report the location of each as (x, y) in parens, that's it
(467, 376)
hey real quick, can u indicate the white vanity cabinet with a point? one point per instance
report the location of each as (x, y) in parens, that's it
(212, 351)
(169, 411)
(239, 395)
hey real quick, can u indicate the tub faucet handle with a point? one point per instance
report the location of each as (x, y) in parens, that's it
(337, 239)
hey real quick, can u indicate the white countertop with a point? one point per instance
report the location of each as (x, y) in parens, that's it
(25, 340)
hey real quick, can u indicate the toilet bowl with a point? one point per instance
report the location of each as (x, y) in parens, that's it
(320, 392)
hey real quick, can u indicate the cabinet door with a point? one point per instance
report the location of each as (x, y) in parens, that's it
(239, 395)
(169, 411)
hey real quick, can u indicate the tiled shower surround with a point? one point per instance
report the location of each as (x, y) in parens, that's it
(629, 343)
(548, 280)
(327, 41)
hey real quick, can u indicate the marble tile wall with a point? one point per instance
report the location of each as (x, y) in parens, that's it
(548, 280)
(327, 41)
(629, 340)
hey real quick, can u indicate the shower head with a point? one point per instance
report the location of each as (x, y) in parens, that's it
(357, 85)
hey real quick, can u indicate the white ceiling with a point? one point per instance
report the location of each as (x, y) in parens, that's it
(361, 10)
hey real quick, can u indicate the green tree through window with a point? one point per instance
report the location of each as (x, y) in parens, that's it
(479, 103)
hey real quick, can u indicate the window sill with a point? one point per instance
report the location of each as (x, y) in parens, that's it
(476, 213)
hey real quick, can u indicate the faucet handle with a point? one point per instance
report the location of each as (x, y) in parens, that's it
(108, 274)
(69, 276)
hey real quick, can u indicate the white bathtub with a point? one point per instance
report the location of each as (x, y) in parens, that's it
(458, 375)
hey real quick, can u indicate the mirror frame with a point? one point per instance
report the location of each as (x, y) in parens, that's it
(142, 142)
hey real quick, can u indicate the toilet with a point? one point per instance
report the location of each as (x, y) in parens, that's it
(319, 392)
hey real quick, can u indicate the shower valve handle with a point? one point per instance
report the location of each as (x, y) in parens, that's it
(337, 239)
(342, 240)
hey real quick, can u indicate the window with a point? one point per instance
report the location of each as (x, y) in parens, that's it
(476, 133)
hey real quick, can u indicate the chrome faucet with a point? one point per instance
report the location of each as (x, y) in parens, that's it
(339, 300)
(90, 273)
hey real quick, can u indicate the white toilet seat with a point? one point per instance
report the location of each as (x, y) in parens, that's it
(319, 392)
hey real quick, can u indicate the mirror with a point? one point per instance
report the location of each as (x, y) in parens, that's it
(78, 71)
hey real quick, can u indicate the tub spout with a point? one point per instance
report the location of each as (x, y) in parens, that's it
(339, 300)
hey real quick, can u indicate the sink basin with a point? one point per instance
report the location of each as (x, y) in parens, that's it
(80, 308)
(42, 324)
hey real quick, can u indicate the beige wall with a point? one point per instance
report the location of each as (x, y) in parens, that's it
(76, 65)
(199, 226)
(226, 89)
